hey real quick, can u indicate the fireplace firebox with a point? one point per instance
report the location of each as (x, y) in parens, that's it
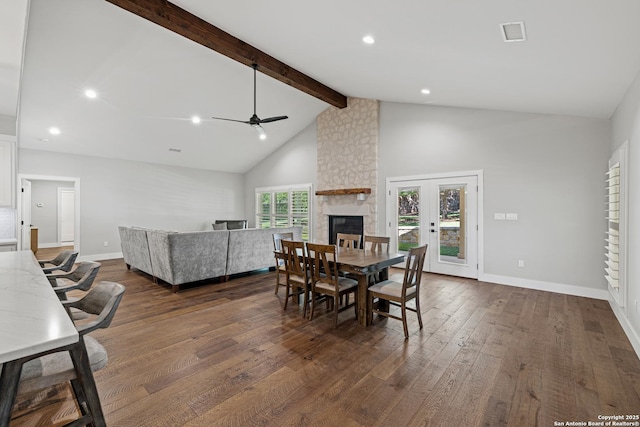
(350, 224)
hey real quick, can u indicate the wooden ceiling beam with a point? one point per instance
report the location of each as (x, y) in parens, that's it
(178, 20)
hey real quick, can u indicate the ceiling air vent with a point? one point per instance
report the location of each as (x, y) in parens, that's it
(513, 32)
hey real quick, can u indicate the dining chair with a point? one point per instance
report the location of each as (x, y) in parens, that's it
(398, 294)
(348, 240)
(54, 368)
(279, 257)
(325, 279)
(298, 276)
(377, 243)
(63, 261)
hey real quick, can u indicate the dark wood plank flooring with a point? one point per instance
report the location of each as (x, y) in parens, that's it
(227, 354)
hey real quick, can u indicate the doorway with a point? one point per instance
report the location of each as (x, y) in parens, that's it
(51, 222)
(441, 211)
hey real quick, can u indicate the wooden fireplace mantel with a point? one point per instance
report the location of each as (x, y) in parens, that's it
(343, 191)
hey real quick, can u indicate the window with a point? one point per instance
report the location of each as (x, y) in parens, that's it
(284, 207)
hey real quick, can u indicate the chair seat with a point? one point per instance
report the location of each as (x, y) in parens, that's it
(390, 288)
(54, 368)
(344, 283)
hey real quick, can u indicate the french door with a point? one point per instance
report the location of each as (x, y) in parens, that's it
(440, 212)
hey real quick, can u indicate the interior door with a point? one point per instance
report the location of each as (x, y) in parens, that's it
(25, 215)
(440, 212)
(66, 215)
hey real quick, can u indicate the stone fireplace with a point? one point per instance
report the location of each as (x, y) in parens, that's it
(348, 159)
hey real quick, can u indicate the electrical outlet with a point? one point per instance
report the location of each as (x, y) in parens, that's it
(106, 243)
(520, 263)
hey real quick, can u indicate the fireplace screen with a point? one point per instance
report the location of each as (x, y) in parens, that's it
(345, 224)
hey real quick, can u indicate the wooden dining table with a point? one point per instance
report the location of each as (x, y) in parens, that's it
(34, 323)
(362, 263)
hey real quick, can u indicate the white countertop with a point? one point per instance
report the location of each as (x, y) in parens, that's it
(32, 319)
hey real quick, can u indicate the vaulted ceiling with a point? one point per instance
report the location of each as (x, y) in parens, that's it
(579, 58)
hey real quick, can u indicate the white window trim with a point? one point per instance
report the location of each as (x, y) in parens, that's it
(289, 188)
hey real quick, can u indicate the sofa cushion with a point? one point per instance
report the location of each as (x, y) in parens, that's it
(187, 257)
(135, 248)
(252, 248)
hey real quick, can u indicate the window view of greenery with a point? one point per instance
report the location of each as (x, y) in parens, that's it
(450, 221)
(409, 219)
(283, 209)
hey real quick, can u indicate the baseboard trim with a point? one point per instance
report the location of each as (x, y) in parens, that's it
(100, 257)
(48, 245)
(559, 288)
(628, 329)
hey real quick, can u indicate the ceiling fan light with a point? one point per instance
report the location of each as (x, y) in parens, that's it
(261, 132)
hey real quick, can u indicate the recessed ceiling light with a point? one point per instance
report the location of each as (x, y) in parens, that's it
(425, 91)
(90, 93)
(195, 120)
(54, 131)
(368, 39)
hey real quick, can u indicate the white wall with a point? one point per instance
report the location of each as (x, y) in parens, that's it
(121, 192)
(548, 169)
(7, 125)
(45, 217)
(626, 127)
(293, 163)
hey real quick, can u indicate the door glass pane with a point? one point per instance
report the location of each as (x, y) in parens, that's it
(452, 235)
(408, 218)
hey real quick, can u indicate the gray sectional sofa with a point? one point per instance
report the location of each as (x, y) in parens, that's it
(184, 257)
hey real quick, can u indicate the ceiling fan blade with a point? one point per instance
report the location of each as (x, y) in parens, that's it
(273, 119)
(231, 120)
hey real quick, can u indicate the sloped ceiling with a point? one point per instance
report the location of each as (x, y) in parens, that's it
(579, 59)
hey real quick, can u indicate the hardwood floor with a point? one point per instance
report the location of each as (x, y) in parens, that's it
(226, 354)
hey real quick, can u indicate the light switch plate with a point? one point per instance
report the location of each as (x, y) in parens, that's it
(512, 217)
(499, 216)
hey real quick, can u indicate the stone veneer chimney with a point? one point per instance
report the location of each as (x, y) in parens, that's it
(348, 158)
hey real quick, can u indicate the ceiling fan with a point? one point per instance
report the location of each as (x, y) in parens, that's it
(254, 120)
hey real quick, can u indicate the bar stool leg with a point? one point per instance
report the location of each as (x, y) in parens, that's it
(87, 383)
(9, 385)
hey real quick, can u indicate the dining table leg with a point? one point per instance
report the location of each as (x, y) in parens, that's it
(363, 300)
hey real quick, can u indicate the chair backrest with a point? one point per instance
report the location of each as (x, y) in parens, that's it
(413, 269)
(348, 240)
(295, 260)
(102, 300)
(322, 259)
(278, 238)
(84, 274)
(277, 246)
(63, 261)
(377, 243)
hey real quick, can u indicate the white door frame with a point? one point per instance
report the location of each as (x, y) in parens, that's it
(76, 186)
(479, 174)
